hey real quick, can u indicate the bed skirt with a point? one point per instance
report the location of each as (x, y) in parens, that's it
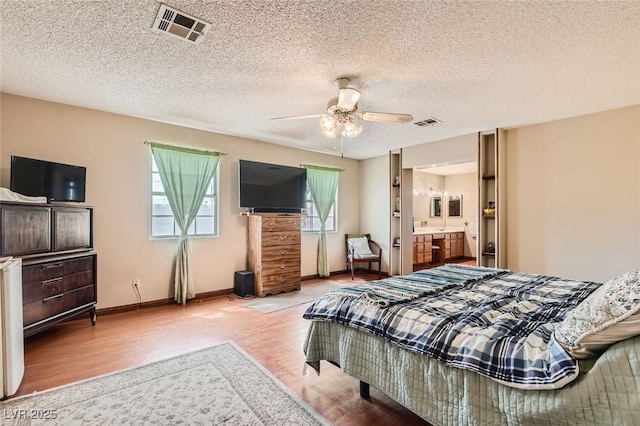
(607, 392)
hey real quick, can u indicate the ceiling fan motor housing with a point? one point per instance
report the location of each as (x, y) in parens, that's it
(335, 109)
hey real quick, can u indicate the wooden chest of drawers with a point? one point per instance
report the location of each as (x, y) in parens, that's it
(55, 242)
(274, 252)
(56, 288)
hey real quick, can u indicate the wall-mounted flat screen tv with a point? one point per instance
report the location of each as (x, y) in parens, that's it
(56, 181)
(268, 187)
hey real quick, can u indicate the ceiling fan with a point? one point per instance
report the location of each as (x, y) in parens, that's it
(342, 116)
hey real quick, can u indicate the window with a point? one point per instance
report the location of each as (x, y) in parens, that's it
(311, 222)
(163, 225)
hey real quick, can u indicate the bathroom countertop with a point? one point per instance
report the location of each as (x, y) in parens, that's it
(437, 230)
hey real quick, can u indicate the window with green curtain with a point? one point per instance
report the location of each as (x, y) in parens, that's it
(163, 224)
(323, 185)
(185, 175)
(311, 222)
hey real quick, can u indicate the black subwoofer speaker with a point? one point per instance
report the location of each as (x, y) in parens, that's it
(243, 283)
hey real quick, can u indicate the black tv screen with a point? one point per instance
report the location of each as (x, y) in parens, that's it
(56, 181)
(268, 187)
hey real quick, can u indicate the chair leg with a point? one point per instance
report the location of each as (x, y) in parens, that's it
(379, 271)
(352, 269)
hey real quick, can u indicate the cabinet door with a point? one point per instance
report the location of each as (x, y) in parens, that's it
(25, 230)
(71, 228)
(454, 248)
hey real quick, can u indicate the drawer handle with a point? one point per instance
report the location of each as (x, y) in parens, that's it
(282, 280)
(283, 237)
(52, 281)
(57, 296)
(52, 265)
(283, 252)
(282, 266)
(270, 223)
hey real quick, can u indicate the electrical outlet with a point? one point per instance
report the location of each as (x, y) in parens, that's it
(135, 283)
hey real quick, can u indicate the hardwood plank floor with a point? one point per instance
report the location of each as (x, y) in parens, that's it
(75, 351)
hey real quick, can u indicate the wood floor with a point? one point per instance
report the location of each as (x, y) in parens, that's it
(75, 351)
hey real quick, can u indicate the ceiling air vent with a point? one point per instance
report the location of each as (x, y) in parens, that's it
(428, 122)
(176, 23)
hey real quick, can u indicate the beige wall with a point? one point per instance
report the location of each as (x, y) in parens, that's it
(375, 203)
(118, 185)
(460, 149)
(573, 196)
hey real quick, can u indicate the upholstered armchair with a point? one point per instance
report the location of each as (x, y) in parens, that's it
(361, 249)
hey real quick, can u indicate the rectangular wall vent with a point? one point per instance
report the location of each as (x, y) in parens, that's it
(178, 24)
(428, 122)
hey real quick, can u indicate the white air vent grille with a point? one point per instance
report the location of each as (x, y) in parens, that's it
(428, 122)
(173, 22)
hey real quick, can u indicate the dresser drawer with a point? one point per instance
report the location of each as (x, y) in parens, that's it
(280, 252)
(277, 281)
(281, 223)
(51, 287)
(282, 266)
(54, 305)
(281, 238)
(46, 271)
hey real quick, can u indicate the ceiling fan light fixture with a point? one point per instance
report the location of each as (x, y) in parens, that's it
(327, 122)
(348, 98)
(330, 134)
(351, 129)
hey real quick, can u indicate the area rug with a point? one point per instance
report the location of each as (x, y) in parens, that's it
(217, 385)
(278, 302)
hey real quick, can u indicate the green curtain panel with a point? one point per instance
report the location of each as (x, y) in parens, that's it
(185, 174)
(323, 184)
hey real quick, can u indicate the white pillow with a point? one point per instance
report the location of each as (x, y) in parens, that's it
(610, 314)
(360, 247)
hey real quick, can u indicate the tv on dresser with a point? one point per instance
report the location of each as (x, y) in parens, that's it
(56, 181)
(265, 187)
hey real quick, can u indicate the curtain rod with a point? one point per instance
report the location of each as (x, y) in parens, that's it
(321, 167)
(184, 148)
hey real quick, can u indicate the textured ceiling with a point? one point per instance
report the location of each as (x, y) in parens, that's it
(473, 65)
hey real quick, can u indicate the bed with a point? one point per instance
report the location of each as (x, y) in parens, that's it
(472, 345)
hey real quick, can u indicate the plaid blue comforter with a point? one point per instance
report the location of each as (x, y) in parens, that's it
(495, 322)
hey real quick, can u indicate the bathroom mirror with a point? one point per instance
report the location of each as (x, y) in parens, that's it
(436, 206)
(455, 206)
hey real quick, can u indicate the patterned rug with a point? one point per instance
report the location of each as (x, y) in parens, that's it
(217, 385)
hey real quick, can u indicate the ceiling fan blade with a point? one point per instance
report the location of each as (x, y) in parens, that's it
(386, 117)
(348, 98)
(295, 117)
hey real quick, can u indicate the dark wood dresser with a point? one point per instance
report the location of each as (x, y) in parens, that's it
(59, 266)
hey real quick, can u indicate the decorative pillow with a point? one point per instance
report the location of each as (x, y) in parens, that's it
(610, 314)
(360, 247)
